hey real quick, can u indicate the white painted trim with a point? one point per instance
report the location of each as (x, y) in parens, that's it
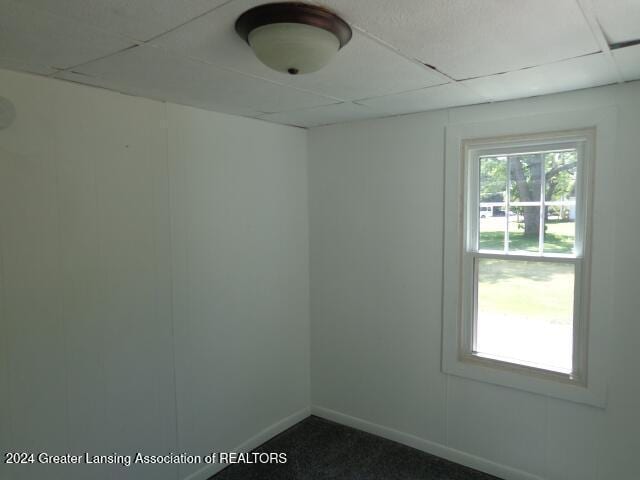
(433, 448)
(598, 297)
(582, 141)
(254, 442)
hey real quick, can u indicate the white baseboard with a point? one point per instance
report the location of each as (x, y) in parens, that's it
(457, 456)
(255, 441)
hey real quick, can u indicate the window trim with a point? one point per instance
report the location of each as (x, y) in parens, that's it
(472, 150)
(506, 120)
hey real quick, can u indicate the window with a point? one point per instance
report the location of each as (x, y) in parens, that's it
(525, 254)
(528, 299)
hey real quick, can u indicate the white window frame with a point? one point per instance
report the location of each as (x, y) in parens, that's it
(587, 385)
(582, 141)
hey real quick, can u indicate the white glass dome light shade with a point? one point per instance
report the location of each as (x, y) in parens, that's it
(293, 48)
(293, 37)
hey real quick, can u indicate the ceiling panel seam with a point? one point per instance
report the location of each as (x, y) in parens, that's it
(585, 9)
(397, 51)
(447, 79)
(429, 67)
(149, 42)
(197, 60)
(188, 21)
(625, 44)
(73, 67)
(532, 66)
(238, 72)
(589, 15)
(304, 109)
(65, 18)
(357, 101)
(135, 42)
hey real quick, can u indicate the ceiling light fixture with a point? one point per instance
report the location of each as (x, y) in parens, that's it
(292, 37)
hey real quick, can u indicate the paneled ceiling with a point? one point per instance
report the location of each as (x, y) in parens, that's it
(405, 56)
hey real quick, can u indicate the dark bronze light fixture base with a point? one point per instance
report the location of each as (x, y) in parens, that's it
(293, 12)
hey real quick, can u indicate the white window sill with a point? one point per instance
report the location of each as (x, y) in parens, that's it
(536, 381)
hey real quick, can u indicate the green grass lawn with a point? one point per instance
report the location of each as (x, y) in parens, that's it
(559, 238)
(535, 290)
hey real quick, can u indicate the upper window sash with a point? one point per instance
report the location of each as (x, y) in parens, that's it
(499, 147)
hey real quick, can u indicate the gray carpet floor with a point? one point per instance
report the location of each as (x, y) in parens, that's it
(321, 450)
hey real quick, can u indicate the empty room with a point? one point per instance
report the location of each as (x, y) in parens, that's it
(330, 240)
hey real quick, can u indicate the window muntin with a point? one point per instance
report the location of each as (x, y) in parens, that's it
(525, 230)
(527, 202)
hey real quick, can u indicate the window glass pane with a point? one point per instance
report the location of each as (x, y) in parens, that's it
(525, 312)
(524, 229)
(492, 229)
(560, 198)
(526, 173)
(525, 200)
(493, 189)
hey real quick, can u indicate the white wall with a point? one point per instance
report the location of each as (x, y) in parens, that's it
(153, 278)
(154, 287)
(376, 222)
(241, 293)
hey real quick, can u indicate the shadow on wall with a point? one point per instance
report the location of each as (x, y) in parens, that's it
(7, 113)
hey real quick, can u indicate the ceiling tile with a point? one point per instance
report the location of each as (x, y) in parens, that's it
(469, 38)
(139, 19)
(159, 96)
(573, 74)
(620, 19)
(628, 60)
(156, 73)
(432, 98)
(364, 68)
(10, 64)
(325, 115)
(33, 37)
